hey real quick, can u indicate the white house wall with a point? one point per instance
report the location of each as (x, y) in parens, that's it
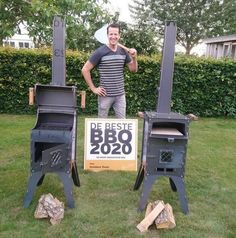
(19, 40)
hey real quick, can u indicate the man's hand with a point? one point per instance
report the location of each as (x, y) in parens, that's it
(133, 65)
(99, 91)
(133, 53)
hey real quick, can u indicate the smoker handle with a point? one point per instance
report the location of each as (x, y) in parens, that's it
(83, 99)
(171, 140)
(31, 96)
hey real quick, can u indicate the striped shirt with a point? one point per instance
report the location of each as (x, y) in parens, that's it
(111, 68)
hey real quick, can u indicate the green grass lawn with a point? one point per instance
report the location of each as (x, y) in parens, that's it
(106, 205)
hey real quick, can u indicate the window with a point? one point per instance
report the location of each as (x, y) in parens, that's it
(225, 50)
(21, 44)
(26, 45)
(233, 51)
(12, 44)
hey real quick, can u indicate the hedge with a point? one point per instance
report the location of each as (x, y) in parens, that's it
(205, 87)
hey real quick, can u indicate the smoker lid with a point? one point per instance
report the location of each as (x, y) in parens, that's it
(55, 96)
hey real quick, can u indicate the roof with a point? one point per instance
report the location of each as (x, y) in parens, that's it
(220, 39)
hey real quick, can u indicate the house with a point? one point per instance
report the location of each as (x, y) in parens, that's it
(19, 40)
(222, 46)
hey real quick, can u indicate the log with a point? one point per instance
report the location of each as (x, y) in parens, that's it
(149, 219)
(165, 220)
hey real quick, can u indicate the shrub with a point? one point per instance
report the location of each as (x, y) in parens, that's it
(205, 87)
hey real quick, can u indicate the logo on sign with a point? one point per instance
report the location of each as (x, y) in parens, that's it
(110, 144)
(115, 139)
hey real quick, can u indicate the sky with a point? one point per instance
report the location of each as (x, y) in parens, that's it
(122, 7)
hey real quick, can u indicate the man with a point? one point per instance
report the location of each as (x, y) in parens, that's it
(110, 60)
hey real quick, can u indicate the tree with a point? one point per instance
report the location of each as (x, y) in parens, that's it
(140, 34)
(83, 18)
(142, 38)
(196, 19)
(12, 14)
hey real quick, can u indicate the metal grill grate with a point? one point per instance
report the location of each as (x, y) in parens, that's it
(166, 156)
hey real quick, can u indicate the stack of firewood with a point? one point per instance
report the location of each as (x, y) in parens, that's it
(49, 207)
(159, 214)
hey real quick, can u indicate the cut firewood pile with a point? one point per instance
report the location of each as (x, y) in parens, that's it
(159, 214)
(50, 207)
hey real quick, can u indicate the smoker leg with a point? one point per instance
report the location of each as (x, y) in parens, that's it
(75, 175)
(67, 182)
(172, 185)
(41, 180)
(139, 178)
(179, 183)
(147, 185)
(32, 184)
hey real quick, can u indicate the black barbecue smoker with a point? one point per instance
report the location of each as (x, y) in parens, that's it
(165, 133)
(53, 138)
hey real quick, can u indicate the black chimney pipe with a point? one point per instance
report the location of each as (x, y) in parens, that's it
(58, 61)
(167, 69)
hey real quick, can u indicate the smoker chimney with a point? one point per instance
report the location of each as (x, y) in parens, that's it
(59, 52)
(167, 69)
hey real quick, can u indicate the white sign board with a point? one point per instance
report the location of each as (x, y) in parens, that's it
(110, 144)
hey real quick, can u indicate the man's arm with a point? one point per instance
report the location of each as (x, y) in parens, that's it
(133, 65)
(87, 76)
